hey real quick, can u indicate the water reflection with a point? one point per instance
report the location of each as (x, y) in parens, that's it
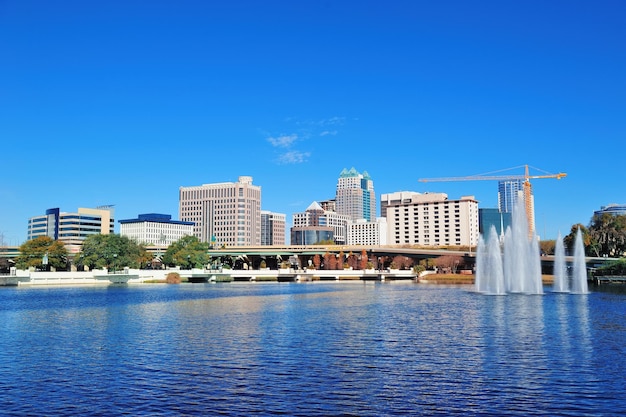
(310, 349)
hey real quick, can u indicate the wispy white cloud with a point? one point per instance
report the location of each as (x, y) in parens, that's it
(283, 141)
(328, 133)
(293, 157)
(332, 121)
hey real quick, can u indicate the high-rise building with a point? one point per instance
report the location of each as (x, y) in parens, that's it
(72, 229)
(227, 213)
(155, 229)
(512, 191)
(355, 195)
(316, 217)
(430, 219)
(273, 228)
(509, 192)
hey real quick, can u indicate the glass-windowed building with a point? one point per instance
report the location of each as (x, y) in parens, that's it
(488, 217)
(614, 209)
(226, 213)
(311, 235)
(355, 195)
(273, 228)
(509, 191)
(72, 228)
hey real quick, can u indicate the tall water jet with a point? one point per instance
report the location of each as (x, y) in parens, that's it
(489, 269)
(561, 281)
(480, 283)
(522, 265)
(514, 266)
(579, 274)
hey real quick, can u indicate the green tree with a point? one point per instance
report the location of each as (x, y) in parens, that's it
(607, 234)
(547, 246)
(187, 252)
(42, 252)
(569, 241)
(112, 252)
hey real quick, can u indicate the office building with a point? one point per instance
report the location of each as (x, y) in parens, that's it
(509, 192)
(355, 195)
(227, 213)
(273, 226)
(430, 219)
(311, 235)
(155, 229)
(316, 217)
(72, 228)
(512, 191)
(488, 217)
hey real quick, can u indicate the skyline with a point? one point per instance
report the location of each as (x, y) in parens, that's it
(122, 103)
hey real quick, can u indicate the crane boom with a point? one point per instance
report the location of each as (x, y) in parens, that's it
(527, 187)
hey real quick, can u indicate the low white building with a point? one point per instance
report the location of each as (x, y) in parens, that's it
(367, 233)
(430, 219)
(155, 229)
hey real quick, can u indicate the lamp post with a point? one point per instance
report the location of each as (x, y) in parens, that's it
(114, 261)
(44, 261)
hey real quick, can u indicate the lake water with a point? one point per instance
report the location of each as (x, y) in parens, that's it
(351, 349)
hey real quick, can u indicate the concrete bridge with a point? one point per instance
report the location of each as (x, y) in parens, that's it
(375, 254)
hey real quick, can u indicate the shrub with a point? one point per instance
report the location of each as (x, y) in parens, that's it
(173, 278)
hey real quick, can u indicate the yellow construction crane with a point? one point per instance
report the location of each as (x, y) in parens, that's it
(527, 186)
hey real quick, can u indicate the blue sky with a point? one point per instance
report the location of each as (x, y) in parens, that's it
(122, 102)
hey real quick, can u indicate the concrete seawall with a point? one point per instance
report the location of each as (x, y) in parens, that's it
(138, 276)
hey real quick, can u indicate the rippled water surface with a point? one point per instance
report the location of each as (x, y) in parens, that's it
(361, 349)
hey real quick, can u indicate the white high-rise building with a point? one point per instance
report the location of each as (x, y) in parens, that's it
(430, 219)
(227, 213)
(355, 195)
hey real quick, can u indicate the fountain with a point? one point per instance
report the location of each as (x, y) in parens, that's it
(561, 281)
(515, 265)
(489, 265)
(516, 269)
(579, 270)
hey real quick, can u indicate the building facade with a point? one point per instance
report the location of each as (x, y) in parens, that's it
(430, 219)
(613, 209)
(311, 235)
(367, 233)
(355, 195)
(72, 229)
(509, 192)
(226, 213)
(273, 226)
(155, 229)
(488, 217)
(316, 216)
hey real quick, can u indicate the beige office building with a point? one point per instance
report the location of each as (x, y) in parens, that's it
(273, 226)
(227, 213)
(430, 219)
